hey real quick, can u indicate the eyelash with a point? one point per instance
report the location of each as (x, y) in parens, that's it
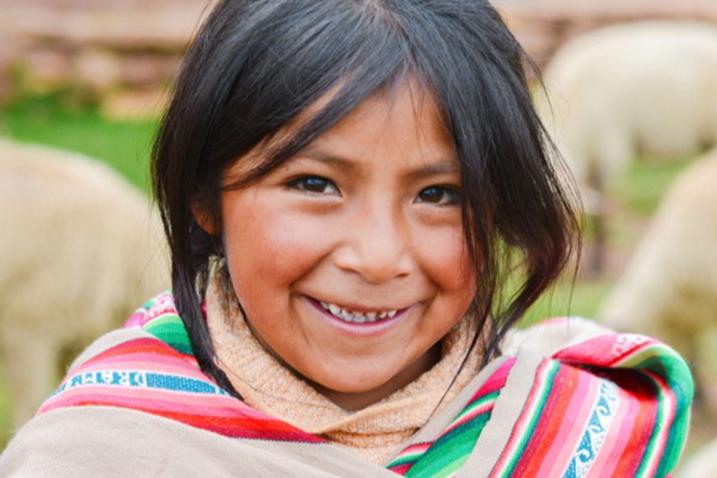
(301, 184)
(454, 196)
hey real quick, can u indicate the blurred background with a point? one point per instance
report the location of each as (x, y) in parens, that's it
(92, 77)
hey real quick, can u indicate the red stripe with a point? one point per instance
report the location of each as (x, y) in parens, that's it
(496, 381)
(142, 345)
(562, 391)
(238, 426)
(234, 423)
(641, 395)
(602, 350)
(401, 469)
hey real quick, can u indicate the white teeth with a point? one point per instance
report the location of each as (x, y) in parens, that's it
(356, 317)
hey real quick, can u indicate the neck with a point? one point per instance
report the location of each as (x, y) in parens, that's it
(358, 401)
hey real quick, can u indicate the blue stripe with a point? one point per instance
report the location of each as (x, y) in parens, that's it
(140, 379)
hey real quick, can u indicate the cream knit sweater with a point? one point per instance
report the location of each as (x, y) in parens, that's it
(373, 432)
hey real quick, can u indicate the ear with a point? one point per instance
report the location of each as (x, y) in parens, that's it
(204, 219)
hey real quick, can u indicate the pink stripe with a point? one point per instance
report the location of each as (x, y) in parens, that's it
(619, 434)
(148, 399)
(486, 407)
(138, 363)
(632, 355)
(145, 356)
(419, 447)
(155, 404)
(606, 350)
(187, 405)
(496, 380)
(668, 409)
(146, 403)
(142, 346)
(572, 426)
(142, 317)
(135, 320)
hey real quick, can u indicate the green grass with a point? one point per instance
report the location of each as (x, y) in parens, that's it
(583, 300)
(49, 120)
(646, 182)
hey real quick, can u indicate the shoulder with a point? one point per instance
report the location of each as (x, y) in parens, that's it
(115, 442)
(596, 394)
(148, 367)
(156, 319)
(551, 335)
(99, 441)
(156, 325)
(159, 317)
(145, 365)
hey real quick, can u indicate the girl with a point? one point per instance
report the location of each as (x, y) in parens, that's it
(344, 186)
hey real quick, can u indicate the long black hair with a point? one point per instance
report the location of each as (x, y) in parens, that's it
(256, 65)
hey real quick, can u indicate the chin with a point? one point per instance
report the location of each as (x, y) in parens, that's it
(354, 387)
(358, 383)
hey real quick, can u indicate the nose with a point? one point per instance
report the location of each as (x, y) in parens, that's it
(376, 245)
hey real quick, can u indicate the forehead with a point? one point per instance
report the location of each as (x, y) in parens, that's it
(406, 117)
(403, 121)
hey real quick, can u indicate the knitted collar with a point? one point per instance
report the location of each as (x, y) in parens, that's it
(374, 431)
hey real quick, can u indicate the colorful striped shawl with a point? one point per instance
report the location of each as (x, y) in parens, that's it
(614, 405)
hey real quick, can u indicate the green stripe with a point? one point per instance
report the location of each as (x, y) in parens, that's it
(403, 459)
(674, 447)
(674, 371)
(647, 457)
(410, 457)
(666, 363)
(653, 357)
(553, 367)
(479, 402)
(170, 329)
(450, 451)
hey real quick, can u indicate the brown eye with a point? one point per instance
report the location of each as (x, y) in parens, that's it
(314, 185)
(439, 195)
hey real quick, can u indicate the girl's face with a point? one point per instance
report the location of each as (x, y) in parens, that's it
(349, 259)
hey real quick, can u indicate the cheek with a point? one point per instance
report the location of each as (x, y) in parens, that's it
(446, 261)
(267, 246)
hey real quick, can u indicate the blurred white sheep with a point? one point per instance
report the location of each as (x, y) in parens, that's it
(644, 89)
(702, 463)
(669, 288)
(648, 87)
(80, 249)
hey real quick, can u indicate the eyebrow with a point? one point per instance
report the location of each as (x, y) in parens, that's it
(444, 166)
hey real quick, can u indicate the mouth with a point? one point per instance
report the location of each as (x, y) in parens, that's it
(366, 319)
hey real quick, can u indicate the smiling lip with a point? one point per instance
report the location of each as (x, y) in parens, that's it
(365, 328)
